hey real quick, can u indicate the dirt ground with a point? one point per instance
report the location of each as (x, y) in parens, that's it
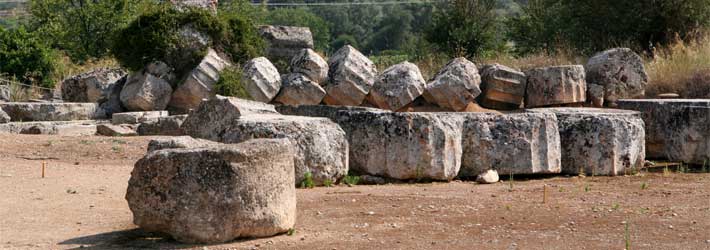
(80, 204)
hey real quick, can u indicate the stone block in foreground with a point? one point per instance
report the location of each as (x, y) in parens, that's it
(600, 141)
(520, 143)
(676, 129)
(215, 194)
(34, 111)
(321, 145)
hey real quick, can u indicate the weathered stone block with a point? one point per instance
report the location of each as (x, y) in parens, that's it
(455, 86)
(284, 42)
(397, 87)
(297, 89)
(220, 112)
(178, 142)
(215, 194)
(600, 141)
(92, 86)
(351, 75)
(676, 129)
(136, 117)
(555, 85)
(510, 144)
(404, 145)
(199, 83)
(620, 72)
(33, 111)
(261, 79)
(145, 92)
(310, 64)
(65, 128)
(116, 130)
(503, 87)
(169, 125)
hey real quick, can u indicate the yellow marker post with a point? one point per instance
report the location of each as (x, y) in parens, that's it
(43, 167)
(544, 194)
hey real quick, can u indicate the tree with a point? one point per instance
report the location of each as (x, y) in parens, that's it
(83, 28)
(25, 56)
(464, 27)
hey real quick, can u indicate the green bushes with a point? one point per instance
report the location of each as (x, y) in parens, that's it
(464, 27)
(181, 38)
(24, 55)
(230, 83)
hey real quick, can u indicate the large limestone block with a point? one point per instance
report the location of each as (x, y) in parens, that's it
(199, 83)
(137, 117)
(455, 86)
(116, 130)
(284, 42)
(326, 111)
(310, 64)
(351, 75)
(676, 129)
(220, 112)
(178, 142)
(555, 85)
(215, 194)
(397, 86)
(34, 111)
(510, 144)
(145, 92)
(404, 145)
(321, 145)
(620, 72)
(92, 86)
(169, 125)
(64, 128)
(600, 141)
(297, 89)
(261, 79)
(503, 87)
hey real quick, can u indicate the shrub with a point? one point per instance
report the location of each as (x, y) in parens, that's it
(175, 37)
(230, 83)
(464, 27)
(682, 68)
(25, 56)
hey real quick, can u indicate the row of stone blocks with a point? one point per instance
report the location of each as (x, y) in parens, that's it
(436, 146)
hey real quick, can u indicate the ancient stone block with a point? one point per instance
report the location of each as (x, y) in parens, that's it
(199, 83)
(310, 64)
(297, 89)
(503, 87)
(455, 86)
(33, 111)
(136, 117)
(92, 86)
(145, 92)
(261, 79)
(620, 72)
(397, 86)
(555, 85)
(351, 75)
(284, 42)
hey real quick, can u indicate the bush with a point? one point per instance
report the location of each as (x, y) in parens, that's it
(682, 68)
(591, 26)
(230, 83)
(84, 29)
(156, 36)
(25, 56)
(464, 27)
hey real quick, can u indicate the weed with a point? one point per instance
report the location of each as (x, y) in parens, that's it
(616, 206)
(351, 180)
(85, 142)
(116, 149)
(587, 188)
(328, 183)
(511, 183)
(562, 189)
(705, 167)
(508, 207)
(48, 144)
(307, 180)
(644, 186)
(666, 171)
(627, 236)
(291, 231)
(117, 141)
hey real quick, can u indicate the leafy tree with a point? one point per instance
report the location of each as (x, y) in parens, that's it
(394, 31)
(464, 27)
(26, 56)
(83, 28)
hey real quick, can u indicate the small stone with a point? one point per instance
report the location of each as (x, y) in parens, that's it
(488, 177)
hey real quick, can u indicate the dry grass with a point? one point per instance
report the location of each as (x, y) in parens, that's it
(682, 68)
(542, 59)
(68, 69)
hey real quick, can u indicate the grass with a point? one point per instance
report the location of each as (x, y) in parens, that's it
(627, 236)
(307, 181)
(644, 186)
(682, 68)
(328, 183)
(511, 182)
(587, 188)
(351, 180)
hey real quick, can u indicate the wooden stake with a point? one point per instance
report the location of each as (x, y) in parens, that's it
(43, 167)
(544, 194)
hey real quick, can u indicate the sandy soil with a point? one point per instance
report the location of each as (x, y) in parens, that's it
(80, 204)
